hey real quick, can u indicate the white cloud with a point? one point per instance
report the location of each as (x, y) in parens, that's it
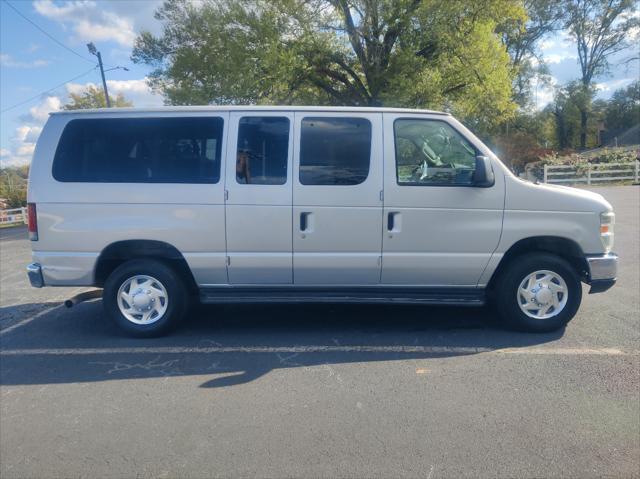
(558, 48)
(547, 44)
(89, 21)
(102, 21)
(28, 134)
(543, 88)
(558, 57)
(26, 150)
(39, 113)
(23, 142)
(8, 62)
(22, 145)
(606, 88)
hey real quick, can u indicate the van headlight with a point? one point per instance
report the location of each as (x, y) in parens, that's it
(607, 221)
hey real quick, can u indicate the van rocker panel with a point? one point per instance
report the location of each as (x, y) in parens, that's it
(367, 295)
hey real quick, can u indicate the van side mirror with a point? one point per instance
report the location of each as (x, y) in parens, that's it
(483, 177)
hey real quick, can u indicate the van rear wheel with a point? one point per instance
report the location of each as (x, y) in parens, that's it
(538, 292)
(145, 297)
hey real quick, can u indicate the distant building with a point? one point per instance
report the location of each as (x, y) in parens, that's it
(619, 137)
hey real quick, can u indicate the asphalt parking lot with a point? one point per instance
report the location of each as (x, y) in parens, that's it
(321, 391)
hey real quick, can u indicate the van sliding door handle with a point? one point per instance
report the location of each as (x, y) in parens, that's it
(390, 222)
(303, 221)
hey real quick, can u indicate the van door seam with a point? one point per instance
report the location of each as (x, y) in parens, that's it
(504, 205)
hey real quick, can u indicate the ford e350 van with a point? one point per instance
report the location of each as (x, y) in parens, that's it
(303, 204)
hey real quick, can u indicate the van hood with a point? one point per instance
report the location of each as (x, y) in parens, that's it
(546, 197)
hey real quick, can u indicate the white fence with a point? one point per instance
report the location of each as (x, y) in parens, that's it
(13, 216)
(592, 172)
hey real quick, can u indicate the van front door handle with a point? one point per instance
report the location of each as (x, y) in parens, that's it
(393, 222)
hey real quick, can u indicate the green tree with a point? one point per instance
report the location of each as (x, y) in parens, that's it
(521, 38)
(600, 29)
(569, 103)
(430, 53)
(13, 185)
(623, 110)
(93, 97)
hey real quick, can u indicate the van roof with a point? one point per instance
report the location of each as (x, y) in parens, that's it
(171, 109)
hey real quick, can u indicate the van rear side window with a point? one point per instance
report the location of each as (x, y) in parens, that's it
(140, 150)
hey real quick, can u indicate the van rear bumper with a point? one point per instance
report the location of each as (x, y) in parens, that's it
(63, 268)
(603, 271)
(34, 272)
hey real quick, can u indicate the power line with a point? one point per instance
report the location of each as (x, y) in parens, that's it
(47, 91)
(48, 34)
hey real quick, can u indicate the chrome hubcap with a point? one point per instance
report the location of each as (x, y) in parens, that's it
(542, 294)
(142, 299)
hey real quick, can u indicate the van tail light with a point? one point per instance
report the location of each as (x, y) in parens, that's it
(33, 221)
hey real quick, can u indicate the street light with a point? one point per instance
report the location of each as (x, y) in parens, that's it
(94, 51)
(116, 68)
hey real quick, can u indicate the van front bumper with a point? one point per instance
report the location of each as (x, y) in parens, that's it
(34, 271)
(603, 271)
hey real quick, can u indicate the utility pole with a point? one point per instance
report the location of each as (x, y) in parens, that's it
(94, 51)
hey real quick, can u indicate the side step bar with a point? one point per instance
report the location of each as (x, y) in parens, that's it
(435, 296)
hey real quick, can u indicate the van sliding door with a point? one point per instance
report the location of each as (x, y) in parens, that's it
(258, 198)
(337, 212)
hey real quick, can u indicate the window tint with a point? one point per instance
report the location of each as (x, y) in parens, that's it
(430, 152)
(140, 150)
(263, 147)
(334, 151)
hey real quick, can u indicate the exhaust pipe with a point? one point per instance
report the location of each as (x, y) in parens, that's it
(79, 298)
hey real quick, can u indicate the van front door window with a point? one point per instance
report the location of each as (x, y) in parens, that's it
(430, 152)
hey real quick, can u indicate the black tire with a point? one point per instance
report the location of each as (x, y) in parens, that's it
(505, 294)
(177, 298)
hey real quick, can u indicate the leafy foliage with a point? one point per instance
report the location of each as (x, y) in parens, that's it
(599, 28)
(581, 162)
(623, 110)
(93, 97)
(13, 185)
(570, 104)
(521, 38)
(441, 54)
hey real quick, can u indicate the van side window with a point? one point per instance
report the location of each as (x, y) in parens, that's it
(334, 151)
(140, 150)
(431, 152)
(263, 149)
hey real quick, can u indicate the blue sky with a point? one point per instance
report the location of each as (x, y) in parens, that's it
(32, 63)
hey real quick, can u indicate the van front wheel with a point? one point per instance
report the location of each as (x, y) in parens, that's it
(145, 297)
(538, 292)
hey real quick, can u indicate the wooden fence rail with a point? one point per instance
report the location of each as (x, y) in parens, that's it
(14, 216)
(590, 173)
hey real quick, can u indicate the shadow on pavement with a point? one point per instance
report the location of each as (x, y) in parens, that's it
(232, 345)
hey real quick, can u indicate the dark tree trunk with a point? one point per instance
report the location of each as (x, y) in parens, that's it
(561, 130)
(583, 129)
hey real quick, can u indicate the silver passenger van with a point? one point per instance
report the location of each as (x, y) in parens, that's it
(313, 204)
